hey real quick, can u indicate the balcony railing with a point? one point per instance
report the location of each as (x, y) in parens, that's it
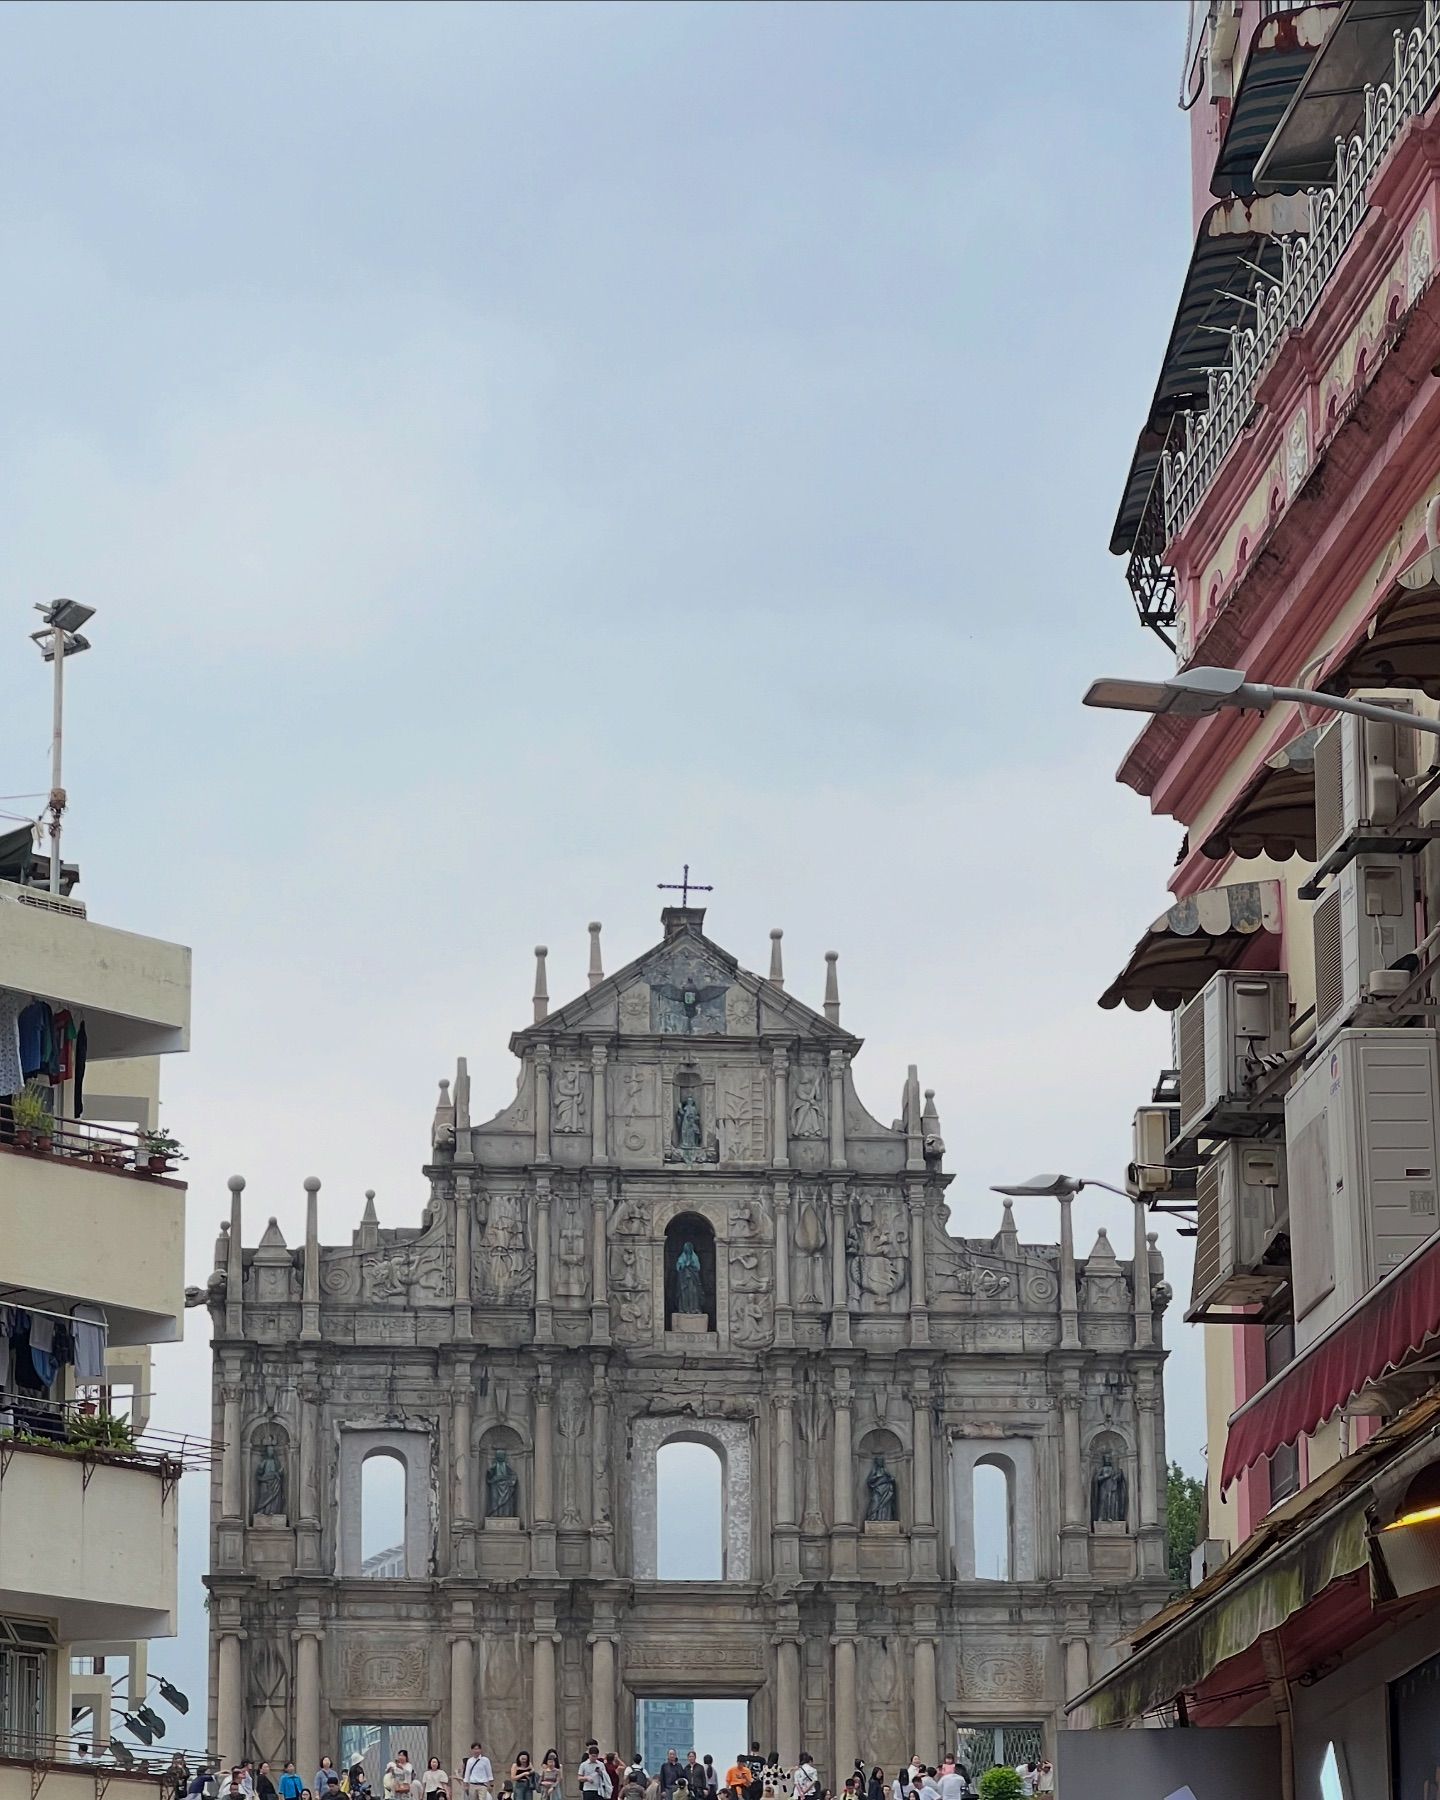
(81, 1427)
(1308, 264)
(80, 1755)
(1151, 579)
(117, 1147)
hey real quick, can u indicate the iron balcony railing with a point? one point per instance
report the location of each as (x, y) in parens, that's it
(83, 1140)
(1307, 265)
(1151, 579)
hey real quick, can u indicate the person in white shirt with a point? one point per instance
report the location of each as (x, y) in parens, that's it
(952, 1783)
(478, 1776)
(807, 1778)
(1027, 1773)
(1045, 1779)
(594, 1776)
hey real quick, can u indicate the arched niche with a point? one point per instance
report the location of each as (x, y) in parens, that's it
(1114, 1444)
(261, 1482)
(411, 1448)
(517, 1453)
(880, 1441)
(730, 1440)
(690, 1228)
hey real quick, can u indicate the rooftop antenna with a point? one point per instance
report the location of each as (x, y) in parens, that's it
(58, 638)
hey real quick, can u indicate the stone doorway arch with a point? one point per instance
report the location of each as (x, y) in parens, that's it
(730, 1440)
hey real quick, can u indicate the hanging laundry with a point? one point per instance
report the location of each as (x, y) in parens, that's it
(41, 1340)
(35, 1037)
(91, 1332)
(82, 1051)
(12, 1075)
(64, 1049)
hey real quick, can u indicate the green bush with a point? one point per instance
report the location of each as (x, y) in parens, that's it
(1001, 1784)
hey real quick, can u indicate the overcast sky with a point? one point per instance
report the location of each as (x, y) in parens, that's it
(515, 449)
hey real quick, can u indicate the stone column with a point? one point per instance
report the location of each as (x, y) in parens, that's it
(602, 1541)
(461, 1450)
(1077, 1666)
(784, 1315)
(230, 1700)
(602, 1690)
(308, 1537)
(842, 1480)
(307, 1699)
(544, 1315)
(1069, 1314)
(1075, 1531)
(787, 1701)
(599, 1259)
(543, 1689)
(785, 1455)
(599, 1112)
(780, 1148)
(846, 1723)
(927, 1727)
(924, 1541)
(232, 1475)
(464, 1325)
(1144, 1315)
(919, 1297)
(839, 1284)
(544, 1500)
(837, 1109)
(462, 1698)
(542, 1112)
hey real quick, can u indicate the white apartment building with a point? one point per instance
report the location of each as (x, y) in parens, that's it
(92, 1240)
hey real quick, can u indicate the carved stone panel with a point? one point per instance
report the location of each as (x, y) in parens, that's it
(1001, 1672)
(635, 1009)
(382, 1671)
(740, 1114)
(635, 1097)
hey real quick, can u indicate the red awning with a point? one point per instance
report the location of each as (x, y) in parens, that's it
(1393, 1321)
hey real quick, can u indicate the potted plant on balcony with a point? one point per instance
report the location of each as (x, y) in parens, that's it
(161, 1151)
(33, 1119)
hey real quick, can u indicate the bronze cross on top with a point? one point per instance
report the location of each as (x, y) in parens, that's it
(685, 885)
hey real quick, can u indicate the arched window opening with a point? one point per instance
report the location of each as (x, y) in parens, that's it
(990, 1494)
(382, 1516)
(1331, 1787)
(689, 1290)
(690, 1513)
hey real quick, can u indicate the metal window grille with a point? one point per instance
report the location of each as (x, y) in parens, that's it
(982, 1747)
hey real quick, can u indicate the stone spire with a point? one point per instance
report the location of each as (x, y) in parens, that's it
(368, 1236)
(777, 963)
(597, 972)
(832, 987)
(310, 1283)
(930, 1127)
(442, 1126)
(542, 993)
(1007, 1238)
(235, 1274)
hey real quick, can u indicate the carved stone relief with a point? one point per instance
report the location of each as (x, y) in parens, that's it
(740, 1115)
(687, 995)
(503, 1269)
(636, 1090)
(808, 1101)
(877, 1246)
(269, 1700)
(811, 1283)
(572, 1260)
(570, 1097)
(1001, 1673)
(384, 1671)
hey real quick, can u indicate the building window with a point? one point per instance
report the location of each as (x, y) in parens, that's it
(375, 1746)
(1285, 1462)
(990, 1489)
(26, 1651)
(689, 1514)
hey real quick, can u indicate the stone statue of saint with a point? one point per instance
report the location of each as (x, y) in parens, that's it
(687, 1123)
(502, 1489)
(883, 1507)
(1109, 1493)
(807, 1112)
(689, 1282)
(269, 1483)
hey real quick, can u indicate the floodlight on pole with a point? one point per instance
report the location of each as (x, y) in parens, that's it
(1197, 693)
(59, 637)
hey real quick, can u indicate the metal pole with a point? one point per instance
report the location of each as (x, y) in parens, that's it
(1265, 696)
(57, 793)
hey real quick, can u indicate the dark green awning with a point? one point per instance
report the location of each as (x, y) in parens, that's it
(1281, 52)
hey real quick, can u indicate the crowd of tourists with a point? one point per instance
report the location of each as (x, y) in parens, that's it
(600, 1776)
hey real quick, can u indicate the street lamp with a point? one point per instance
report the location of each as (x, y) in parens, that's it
(1056, 1187)
(59, 637)
(1196, 693)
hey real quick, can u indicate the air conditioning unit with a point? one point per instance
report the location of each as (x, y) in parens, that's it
(1240, 1214)
(1361, 771)
(1223, 1035)
(1362, 1138)
(1364, 922)
(1155, 1128)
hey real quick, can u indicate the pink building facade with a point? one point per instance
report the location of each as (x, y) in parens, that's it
(1281, 516)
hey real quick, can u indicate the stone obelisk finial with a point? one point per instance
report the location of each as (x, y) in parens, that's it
(542, 993)
(777, 961)
(597, 972)
(832, 987)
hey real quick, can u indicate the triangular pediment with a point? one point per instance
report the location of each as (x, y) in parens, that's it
(687, 986)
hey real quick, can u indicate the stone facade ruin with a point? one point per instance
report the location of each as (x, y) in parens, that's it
(850, 1361)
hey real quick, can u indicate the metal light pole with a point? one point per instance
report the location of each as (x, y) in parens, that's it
(60, 637)
(1196, 693)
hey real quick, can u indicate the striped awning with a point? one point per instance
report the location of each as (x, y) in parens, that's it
(1274, 813)
(1192, 941)
(1281, 51)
